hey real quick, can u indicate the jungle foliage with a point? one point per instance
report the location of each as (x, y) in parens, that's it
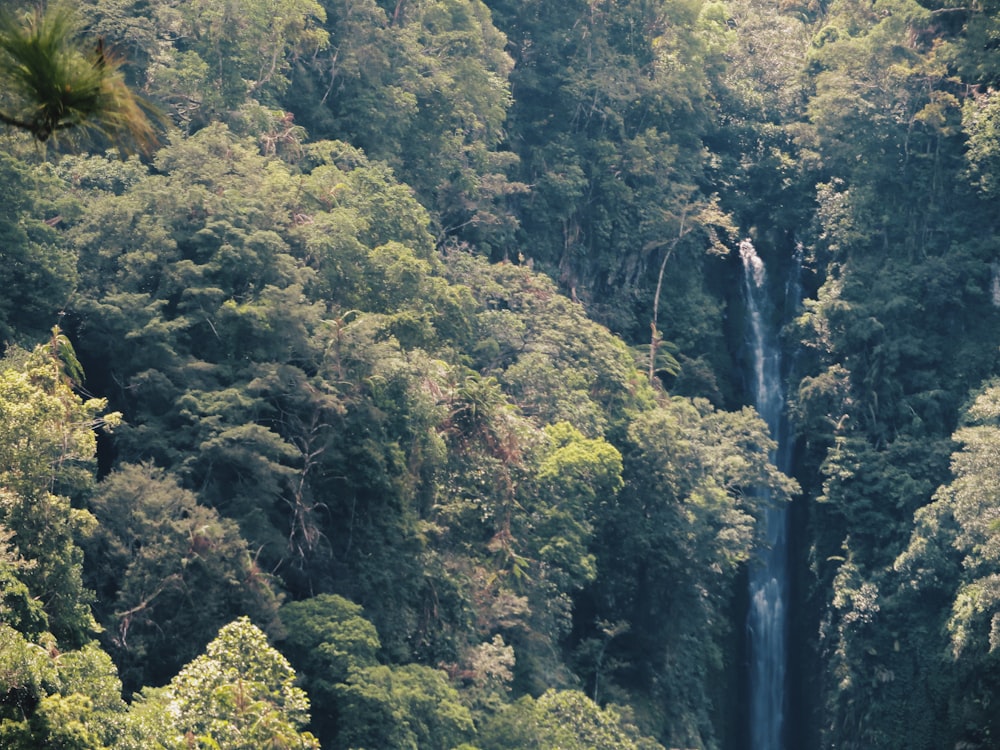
(394, 395)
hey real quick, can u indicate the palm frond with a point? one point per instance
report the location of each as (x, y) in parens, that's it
(54, 83)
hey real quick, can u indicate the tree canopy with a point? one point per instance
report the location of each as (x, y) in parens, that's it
(396, 392)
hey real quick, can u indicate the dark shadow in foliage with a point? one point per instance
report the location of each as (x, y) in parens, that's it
(168, 573)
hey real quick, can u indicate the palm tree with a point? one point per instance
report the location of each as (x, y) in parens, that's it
(52, 81)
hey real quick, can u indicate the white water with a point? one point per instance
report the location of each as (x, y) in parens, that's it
(767, 621)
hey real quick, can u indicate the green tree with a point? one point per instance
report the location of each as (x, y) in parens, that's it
(266, 350)
(60, 689)
(970, 499)
(949, 571)
(239, 694)
(576, 478)
(614, 104)
(556, 363)
(563, 720)
(668, 551)
(409, 707)
(168, 573)
(327, 639)
(951, 567)
(979, 116)
(204, 62)
(37, 268)
(18, 608)
(61, 700)
(421, 85)
(233, 52)
(48, 445)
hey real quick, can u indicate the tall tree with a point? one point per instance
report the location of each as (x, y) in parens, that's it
(422, 85)
(613, 101)
(168, 574)
(239, 694)
(952, 568)
(669, 549)
(47, 456)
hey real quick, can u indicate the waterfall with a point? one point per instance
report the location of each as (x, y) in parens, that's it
(767, 620)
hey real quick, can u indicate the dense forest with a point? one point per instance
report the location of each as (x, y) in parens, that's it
(376, 373)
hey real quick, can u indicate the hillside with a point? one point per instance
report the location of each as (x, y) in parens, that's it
(387, 374)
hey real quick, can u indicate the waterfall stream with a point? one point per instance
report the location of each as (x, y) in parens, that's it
(767, 620)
